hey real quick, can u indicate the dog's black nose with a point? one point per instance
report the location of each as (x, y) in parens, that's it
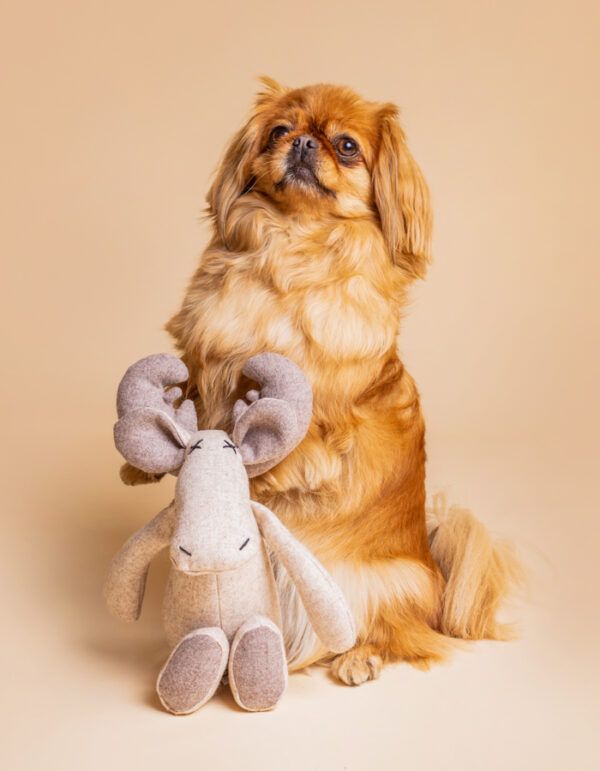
(304, 147)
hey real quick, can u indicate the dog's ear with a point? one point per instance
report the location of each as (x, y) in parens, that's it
(401, 197)
(234, 173)
(271, 89)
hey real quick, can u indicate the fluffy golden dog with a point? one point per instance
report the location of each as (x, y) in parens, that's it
(321, 222)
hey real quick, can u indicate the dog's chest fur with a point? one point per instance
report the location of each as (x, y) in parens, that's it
(309, 291)
(327, 296)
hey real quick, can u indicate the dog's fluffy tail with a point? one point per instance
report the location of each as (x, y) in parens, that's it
(480, 573)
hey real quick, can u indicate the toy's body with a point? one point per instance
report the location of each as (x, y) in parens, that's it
(220, 599)
(221, 605)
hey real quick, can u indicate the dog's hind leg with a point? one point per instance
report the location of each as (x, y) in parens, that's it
(130, 475)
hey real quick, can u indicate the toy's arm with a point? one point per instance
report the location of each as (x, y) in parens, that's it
(126, 580)
(322, 598)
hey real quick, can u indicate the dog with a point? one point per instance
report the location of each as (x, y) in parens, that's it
(321, 221)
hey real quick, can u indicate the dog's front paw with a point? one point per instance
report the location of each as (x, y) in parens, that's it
(357, 665)
(130, 475)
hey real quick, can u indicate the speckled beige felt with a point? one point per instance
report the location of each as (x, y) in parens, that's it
(257, 665)
(222, 576)
(193, 671)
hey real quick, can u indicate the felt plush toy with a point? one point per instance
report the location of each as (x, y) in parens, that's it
(221, 609)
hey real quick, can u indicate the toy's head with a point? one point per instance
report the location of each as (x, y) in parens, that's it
(215, 527)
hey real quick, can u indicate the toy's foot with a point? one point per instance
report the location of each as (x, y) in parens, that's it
(257, 665)
(193, 671)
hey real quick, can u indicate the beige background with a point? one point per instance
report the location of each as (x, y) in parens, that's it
(113, 115)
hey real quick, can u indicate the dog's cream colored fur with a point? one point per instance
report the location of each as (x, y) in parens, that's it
(367, 586)
(478, 573)
(318, 269)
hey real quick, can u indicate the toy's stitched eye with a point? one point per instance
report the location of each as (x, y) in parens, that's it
(277, 133)
(197, 446)
(346, 147)
(230, 446)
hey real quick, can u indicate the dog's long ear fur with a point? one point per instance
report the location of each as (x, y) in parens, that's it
(401, 197)
(234, 174)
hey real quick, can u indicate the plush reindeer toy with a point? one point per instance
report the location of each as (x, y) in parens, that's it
(221, 610)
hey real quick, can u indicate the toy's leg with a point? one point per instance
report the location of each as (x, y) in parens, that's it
(193, 670)
(257, 665)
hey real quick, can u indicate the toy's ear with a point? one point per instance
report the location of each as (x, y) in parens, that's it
(265, 432)
(151, 440)
(279, 415)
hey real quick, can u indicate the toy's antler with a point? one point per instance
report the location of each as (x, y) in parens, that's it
(151, 432)
(278, 417)
(144, 384)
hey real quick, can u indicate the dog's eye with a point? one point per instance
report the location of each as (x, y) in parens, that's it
(230, 446)
(346, 147)
(277, 133)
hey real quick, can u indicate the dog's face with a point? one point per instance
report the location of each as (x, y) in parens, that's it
(316, 148)
(324, 151)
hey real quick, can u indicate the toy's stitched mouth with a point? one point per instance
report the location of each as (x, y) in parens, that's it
(204, 572)
(185, 551)
(244, 544)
